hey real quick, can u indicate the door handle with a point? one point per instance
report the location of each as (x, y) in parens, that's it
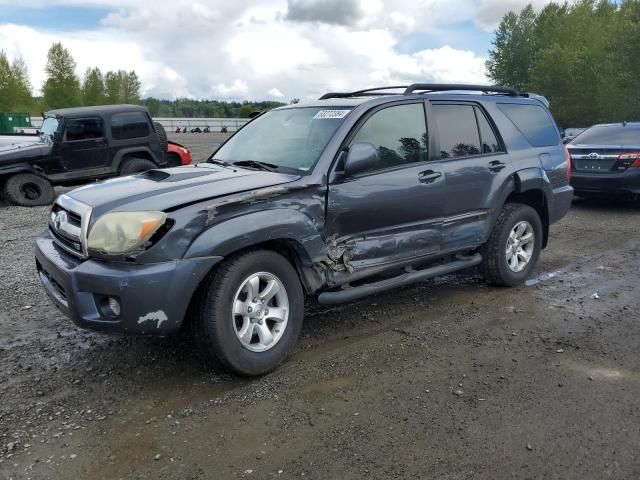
(429, 176)
(495, 166)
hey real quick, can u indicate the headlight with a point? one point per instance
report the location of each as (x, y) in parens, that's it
(122, 232)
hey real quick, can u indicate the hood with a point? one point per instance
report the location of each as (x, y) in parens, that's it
(23, 149)
(173, 187)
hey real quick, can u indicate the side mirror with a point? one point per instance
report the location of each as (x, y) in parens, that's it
(361, 157)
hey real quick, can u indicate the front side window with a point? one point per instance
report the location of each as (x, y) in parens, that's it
(457, 130)
(82, 128)
(399, 133)
(286, 139)
(125, 126)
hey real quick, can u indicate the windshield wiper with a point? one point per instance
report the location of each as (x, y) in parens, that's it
(218, 162)
(269, 167)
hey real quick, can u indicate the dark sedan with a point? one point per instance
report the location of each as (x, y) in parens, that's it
(606, 160)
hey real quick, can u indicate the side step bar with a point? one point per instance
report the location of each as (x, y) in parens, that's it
(353, 293)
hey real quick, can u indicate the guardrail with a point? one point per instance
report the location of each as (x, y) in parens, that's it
(171, 124)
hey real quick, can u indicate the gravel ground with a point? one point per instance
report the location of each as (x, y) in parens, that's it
(448, 379)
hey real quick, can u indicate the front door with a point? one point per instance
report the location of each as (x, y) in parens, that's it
(475, 166)
(84, 144)
(392, 212)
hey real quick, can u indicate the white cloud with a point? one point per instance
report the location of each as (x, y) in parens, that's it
(258, 49)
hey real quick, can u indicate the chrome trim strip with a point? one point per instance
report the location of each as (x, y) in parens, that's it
(84, 211)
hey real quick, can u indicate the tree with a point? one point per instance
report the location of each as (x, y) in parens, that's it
(5, 82)
(62, 86)
(245, 110)
(93, 87)
(130, 87)
(112, 87)
(20, 85)
(514, 49)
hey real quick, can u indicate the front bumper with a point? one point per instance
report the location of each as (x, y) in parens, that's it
(624, 183)
(153, 298)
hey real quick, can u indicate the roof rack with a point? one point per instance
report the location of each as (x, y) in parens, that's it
(425, 88)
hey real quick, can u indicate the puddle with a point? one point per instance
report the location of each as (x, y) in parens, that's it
(542, 278)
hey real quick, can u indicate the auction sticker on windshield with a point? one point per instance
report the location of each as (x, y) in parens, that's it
(331, 114)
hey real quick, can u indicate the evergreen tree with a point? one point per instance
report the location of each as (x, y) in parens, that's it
(130, 87)
(20, 86)
(62, 86)
(113, 87)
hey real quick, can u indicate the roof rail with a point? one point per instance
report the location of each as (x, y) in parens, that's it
(425, 88)
(443, 87)
(359, 93)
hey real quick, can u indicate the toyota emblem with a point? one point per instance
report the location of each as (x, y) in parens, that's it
(594, 156)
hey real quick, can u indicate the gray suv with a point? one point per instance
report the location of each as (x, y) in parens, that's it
(336, 199)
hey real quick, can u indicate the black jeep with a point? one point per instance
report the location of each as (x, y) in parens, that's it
(339, 198)
(76, 145)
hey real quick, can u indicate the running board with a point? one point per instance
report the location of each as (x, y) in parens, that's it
(353, 293)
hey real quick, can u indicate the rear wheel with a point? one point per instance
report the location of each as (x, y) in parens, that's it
(513, 248)
(251, 313)
(136, 165)
(28, 190)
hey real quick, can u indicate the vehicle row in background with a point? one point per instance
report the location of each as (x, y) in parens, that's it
(77, 145)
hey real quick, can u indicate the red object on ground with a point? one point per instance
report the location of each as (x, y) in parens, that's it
(183, 153)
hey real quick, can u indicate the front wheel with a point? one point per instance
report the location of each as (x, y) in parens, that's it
(513, 248)
(251, 314)
(28, 190)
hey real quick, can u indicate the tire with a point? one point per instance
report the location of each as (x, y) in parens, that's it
(217, 328)
(162, 136)
(495, 267)
(28, 190)
(136, 165)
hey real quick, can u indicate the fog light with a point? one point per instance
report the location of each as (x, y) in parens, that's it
(114, 306)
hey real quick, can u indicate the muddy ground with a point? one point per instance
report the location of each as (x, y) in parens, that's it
(446, 379)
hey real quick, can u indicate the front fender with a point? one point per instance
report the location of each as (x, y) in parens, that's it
(20, 168)
(254, 228)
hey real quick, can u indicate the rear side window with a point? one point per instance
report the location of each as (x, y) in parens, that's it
(488, 139)
(399, 133)
(129, 125)
(457, 130)
(83, 128)
(534, 122)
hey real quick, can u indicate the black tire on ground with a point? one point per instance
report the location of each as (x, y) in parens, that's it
(162, 136)
(214, 325)
(173, 160)
(28, 190)
(494, 267)
(136, 165)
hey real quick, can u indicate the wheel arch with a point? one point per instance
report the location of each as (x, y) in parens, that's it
(136, 152)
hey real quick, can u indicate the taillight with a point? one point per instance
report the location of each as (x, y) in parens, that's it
(629, 159)
(567, 156)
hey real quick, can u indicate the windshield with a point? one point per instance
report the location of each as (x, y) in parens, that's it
(49, 126)
(610, 135)
(292, 138)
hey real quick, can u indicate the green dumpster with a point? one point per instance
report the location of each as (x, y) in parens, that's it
(10, 121)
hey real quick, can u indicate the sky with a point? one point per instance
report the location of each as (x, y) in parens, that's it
(260, 49)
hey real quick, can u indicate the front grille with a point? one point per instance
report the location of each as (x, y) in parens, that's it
(67, 224)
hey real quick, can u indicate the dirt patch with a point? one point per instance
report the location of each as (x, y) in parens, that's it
(447, 379)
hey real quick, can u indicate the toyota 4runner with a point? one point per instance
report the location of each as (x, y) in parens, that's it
(339, 198)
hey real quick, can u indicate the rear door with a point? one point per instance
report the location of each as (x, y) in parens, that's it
(83, 144)
(392, 212)
(475, 166)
